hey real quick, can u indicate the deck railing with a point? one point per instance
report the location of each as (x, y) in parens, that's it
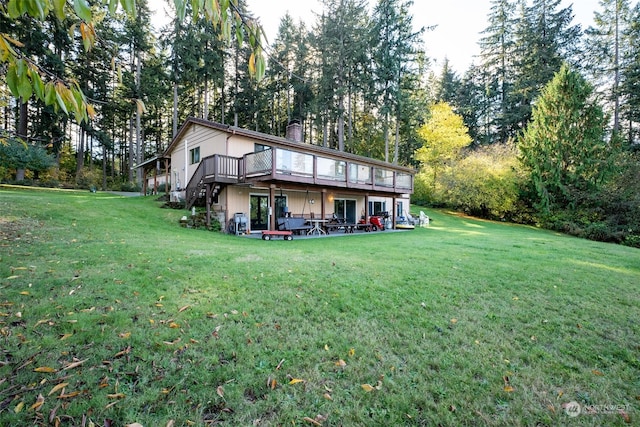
(297, 166)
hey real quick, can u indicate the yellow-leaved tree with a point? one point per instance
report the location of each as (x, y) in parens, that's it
(444, 135)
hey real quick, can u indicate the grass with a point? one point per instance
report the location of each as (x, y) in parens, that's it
(113, 314)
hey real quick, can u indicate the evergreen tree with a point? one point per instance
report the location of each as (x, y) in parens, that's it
(341, 43)
(545, 39)
(393, 55)
(563, 147)
(446, 86)
(497, 53)
(605, 51)
(630, 80)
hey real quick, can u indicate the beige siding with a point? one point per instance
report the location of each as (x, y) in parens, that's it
(210, 142)
(239, 146)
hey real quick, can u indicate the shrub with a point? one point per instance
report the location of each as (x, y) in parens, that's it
(130, 187)
(89, 178)
(485, 183)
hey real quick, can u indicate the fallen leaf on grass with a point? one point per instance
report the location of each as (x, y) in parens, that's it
(312, 421)
(125, 335)
(272, 383)
(598, 373)
(65, 336)
(295, 381)
(13, 277)
(116, 396)
(39, 402)
(122, 352)
(56, 388)
(69, 395)
(625, 416)
(45, 369)
(352, 352)
(184, 308)
(174, 325)
(133, 425)
(18, 407)
(74, 364)
(327, 396)
(220, 391)
(40, 322)
(171, 423)
(367, 387)
(341, 363)
(507, 385)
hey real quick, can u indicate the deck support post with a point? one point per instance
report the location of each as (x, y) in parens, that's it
(272, 207)
(208, 200)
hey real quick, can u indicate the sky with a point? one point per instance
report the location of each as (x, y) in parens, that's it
(455, 37)
(459, 23)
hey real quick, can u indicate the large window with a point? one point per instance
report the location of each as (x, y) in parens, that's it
(194, 155)
(377, 208)
(345, 209)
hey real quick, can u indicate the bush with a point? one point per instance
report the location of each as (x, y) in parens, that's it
(485, 183)
(131, 187)
(89, 178)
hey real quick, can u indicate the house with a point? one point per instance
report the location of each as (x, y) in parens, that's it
(233, 170)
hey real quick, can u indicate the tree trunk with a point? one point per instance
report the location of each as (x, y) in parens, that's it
(104, 168)
(23, 121)
(131, 152)
(80, 153)
(175, 109)
(139, 142)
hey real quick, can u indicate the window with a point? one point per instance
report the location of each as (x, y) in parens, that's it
(260, 147)
(377, 208)
(194, 155)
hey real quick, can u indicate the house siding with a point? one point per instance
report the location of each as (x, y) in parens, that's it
(217, 139)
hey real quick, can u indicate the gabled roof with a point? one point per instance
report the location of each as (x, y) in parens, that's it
(278, 141)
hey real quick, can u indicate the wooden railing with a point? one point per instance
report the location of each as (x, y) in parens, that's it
(292, 166)
(217, 168)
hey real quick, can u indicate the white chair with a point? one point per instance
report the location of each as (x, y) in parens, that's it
(424, 219)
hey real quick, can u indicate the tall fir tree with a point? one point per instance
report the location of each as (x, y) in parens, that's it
(563, 148)
(394, 54)
(630, 80)
(545, 39)
(605, 50)
(497, 54)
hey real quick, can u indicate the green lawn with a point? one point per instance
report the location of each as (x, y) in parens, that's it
(110, 311)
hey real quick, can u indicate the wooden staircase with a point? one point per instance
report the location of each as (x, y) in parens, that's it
(216, 171)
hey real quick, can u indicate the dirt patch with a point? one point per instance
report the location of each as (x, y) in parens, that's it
(17, 230)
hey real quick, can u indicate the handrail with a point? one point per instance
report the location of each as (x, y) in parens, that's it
(226, 169)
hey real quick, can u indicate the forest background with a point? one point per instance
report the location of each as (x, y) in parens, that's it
(543, 129)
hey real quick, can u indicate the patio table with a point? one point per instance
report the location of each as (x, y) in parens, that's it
(317, 226)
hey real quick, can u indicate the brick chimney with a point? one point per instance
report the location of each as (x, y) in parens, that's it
(294, 131)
